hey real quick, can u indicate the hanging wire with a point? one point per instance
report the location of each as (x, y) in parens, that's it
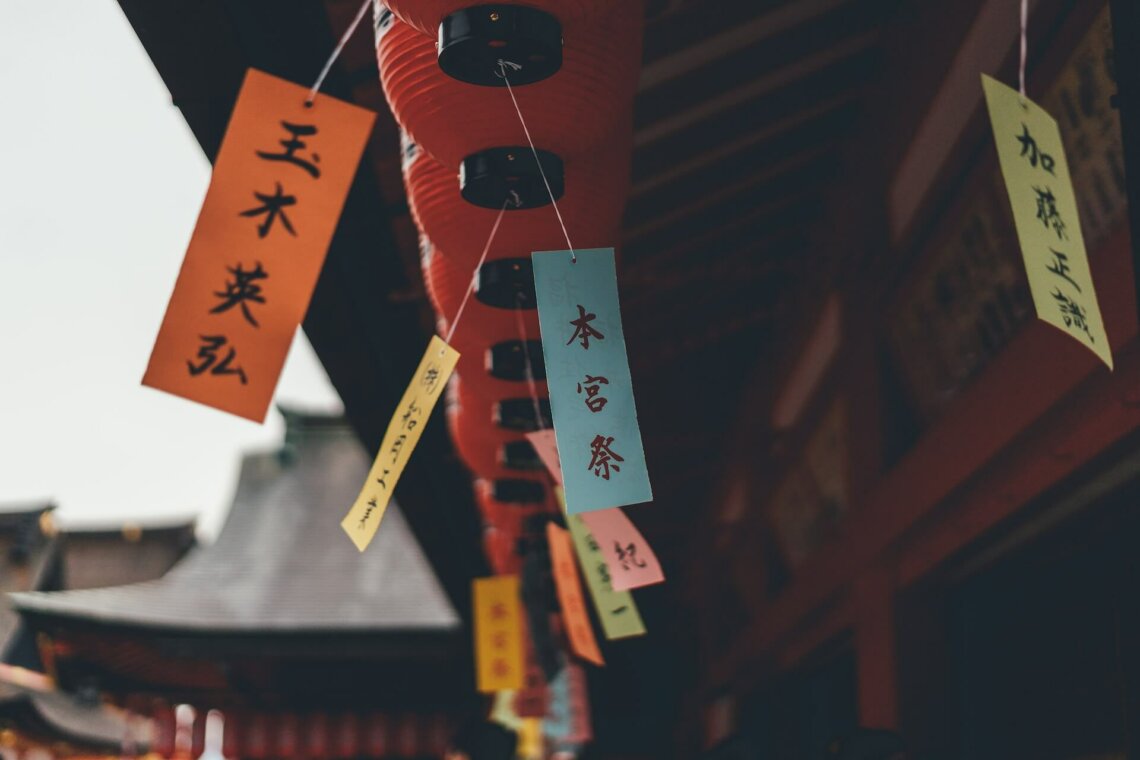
(336, 53)
(475, 274)
(503, 75)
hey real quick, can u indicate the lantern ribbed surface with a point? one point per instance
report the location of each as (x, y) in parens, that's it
(574, 113)
(425, 15)
(582, 113)
(592, 206)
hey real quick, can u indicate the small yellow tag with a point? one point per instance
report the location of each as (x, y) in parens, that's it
(403, 434)
(498, 634)
(1040, 188)
(530, 739)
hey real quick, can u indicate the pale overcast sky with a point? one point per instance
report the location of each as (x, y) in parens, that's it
(100, 185)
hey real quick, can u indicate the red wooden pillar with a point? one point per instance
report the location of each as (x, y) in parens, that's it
(233, 721)
(875, 649)
(165, 728)
(198, 732)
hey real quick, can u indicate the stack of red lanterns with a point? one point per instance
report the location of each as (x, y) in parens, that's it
(572, 67)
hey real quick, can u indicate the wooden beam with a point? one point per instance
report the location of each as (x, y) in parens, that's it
(1126, 54)
(874, 597)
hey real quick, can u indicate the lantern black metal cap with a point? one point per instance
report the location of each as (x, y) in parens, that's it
(474, 40)
(518, 491)
(506, 284)
(520, 455)
(510, 175)
(519, 414)
(507, 360)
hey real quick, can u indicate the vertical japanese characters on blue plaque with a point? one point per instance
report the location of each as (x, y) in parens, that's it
(587, 370)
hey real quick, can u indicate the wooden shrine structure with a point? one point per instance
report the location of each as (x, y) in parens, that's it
(308, 648)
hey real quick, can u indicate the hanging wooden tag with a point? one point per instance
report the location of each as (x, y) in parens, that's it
(280, 181)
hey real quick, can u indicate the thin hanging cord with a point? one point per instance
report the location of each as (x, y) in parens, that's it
(503, 73)
(528, 368)
(471, 285)
(1024, 44)
(336, 53)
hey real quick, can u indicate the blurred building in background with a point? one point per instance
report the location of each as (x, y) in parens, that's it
(307, 647)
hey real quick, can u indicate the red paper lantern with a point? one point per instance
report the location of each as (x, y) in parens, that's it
(478, 441)
(480, 326)
(499, 546)
(505, 516)
(425, 15)
(581, 108)
(596, 188)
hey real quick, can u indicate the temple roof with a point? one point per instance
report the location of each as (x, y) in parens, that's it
(114, 554)
(282, 564)
(26, 559)
(53, 717)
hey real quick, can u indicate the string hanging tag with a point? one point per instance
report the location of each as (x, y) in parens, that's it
(503, 66)
(336, 53)
(528, 366)
(513, 199)
(1024, 49)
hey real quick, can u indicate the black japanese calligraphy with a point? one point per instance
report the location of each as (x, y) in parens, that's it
(397, 446)
(583, 331)
(1030, 151)
(1060, 267)
(1047, 212)
(291, 145)
(208, 353)
(603, 459)
(410, 418)
(272, 208)
(627, 555)
(1073, 314)
(430, 378)
(593, 386)
(604, 574)
(372, 507)
(241, 291)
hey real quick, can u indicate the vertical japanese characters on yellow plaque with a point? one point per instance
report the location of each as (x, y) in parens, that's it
(1045, 213)
(404, 431)
(498, 634)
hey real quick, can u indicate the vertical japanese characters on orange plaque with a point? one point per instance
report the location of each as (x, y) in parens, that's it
(280, 181)
(574, 615)
(498, 633)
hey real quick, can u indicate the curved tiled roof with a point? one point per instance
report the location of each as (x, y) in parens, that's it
(282, 562)
(87, 726)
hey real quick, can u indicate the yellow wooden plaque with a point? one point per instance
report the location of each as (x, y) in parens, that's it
(1040, 189)
(404, 431)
